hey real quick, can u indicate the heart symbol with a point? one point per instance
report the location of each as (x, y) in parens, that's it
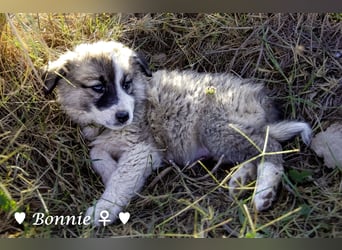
(19, 217)
(124, 217)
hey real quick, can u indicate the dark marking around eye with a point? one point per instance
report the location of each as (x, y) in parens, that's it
(102, 79)
(104, 93)
(98, 88)
(126, 84)
(108, 98)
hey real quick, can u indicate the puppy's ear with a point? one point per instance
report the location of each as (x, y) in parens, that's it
(51, 79)
(57, 70)
(140, 59)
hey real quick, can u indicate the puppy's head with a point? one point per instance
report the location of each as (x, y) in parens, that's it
(99, 83)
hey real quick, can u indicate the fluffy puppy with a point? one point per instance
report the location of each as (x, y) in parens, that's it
(134, 121)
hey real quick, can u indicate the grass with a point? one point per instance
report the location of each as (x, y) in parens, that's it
(44, 162)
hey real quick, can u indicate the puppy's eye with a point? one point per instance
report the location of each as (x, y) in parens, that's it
(98, 88)
(127, 84)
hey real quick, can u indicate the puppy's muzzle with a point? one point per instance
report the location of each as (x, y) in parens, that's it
(122, 116)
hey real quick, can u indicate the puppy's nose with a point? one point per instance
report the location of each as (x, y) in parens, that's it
(122, 116)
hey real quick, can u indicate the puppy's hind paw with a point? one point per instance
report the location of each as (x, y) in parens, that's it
(241, 178)
(269, 178)
(264, 200)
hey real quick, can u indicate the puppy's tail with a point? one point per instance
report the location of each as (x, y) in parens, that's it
(285, 130)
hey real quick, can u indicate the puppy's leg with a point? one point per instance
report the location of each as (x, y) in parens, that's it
(134, 166)
(103, 163)
(242, 177)
(232, 142)
(269, 177)
(285, 130)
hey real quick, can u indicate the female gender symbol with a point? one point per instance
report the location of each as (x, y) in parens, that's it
(104, 217)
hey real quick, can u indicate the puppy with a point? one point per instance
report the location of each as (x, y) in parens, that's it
(134, 121)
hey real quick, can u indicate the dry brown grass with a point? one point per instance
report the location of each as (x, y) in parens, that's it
(44, 163)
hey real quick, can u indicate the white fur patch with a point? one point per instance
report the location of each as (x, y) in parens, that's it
(269, 177)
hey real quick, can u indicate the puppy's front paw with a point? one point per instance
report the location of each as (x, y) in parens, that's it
(103, 213)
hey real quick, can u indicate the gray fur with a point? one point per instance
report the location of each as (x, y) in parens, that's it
(177, 115)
